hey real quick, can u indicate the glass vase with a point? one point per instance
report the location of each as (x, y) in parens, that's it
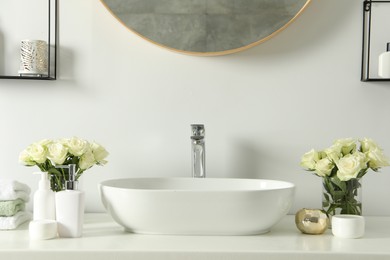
(57, 181)
(341, 197)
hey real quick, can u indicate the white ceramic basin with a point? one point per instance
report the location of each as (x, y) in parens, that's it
(194, 206)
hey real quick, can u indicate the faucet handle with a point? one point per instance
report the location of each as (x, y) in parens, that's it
(197, 131)
(70, 167)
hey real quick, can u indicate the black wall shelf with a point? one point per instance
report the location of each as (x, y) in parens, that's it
(52, 40)
(368, 25)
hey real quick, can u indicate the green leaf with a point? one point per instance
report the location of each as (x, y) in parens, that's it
(332, 209)
(340, 184)
(362, 173)
(338, 196)
(326, 196)
(54, 171)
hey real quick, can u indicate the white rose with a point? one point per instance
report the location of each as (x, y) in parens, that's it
(309, 160)
(37, 152)
(25, 158)
(87, 160)
(324, 167)
(374, 153)
(368, 144)
(333, 153)
(63, 141)
(99, 153)
(347, 145)
(350, 165)
(57, 152)
(45, 142)
(376, 158)
(77, 146)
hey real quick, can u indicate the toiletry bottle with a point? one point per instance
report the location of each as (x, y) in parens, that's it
(44, 200)
(70, 206)
(384, 63)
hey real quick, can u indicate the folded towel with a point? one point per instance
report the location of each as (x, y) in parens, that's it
(14, 221)
(9, 208)
(12, 190)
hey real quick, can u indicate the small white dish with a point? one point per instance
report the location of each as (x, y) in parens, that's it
(348, 226)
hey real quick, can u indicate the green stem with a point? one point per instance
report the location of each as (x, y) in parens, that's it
(341, 196)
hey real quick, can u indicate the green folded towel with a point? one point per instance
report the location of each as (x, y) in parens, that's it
(11, 207)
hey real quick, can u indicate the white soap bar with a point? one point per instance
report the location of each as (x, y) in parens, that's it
(43, 229)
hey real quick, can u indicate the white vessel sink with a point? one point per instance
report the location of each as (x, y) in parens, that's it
(196, 206)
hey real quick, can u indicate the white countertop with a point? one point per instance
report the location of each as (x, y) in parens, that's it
(104, 239)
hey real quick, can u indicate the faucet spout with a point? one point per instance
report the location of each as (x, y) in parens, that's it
(198, 155)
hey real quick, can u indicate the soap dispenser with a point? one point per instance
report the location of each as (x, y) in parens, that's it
(384, 63)
(44, 200)
(70, 206)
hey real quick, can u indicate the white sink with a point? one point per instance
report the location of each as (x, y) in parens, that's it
(196, 206)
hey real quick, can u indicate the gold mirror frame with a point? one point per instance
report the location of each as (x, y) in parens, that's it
(211, 53)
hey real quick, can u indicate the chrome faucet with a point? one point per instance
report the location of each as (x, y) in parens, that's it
(198, 151)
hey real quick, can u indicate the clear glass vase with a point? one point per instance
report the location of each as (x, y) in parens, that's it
(57, 182)
(341, 197)
(58, 179)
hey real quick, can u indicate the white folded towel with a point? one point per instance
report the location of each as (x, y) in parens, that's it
(13, 222)
(12, 190)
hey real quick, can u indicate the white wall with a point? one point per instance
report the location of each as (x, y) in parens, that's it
(263, 108)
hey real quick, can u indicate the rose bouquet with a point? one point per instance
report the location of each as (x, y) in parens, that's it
(47, 154)
(342, 166)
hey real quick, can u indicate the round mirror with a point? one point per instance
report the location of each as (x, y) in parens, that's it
(206, 27)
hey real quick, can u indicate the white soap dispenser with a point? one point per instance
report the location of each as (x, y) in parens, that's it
(384, 63)
(70, 206)
(44, 200)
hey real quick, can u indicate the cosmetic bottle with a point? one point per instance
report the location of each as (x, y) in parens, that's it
(44, 200)
(384, 63)
(70, 206)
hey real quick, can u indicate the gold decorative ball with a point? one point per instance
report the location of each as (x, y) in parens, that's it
(312, 221)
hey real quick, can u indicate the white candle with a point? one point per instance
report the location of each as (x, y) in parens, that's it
(348, 226)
